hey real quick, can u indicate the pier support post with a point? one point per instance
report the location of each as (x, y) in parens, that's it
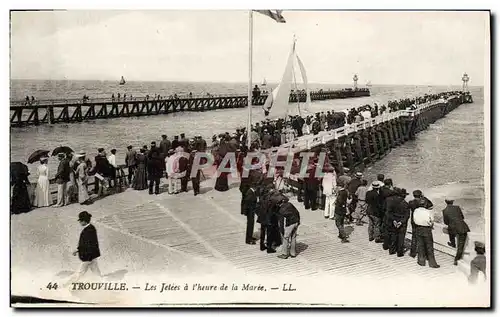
(35, 118)
(399, 127)
(358, 148)
(339, 164)
(366, 147)
(380, 141)
(375, 147)
(50, 114)
(390, 133)
(395, 132)
(348, 152)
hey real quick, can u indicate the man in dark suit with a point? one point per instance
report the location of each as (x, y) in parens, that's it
(131, 163)
(250, 207)
(267, 218)
(183, 167)
(340, 212)
(88, 248)
(374, 212)
(101, 167)
(398, 213)
(164, 145)
(175, 142)
(62, 179)
(155, 170)
(454, 219)
(196, 179)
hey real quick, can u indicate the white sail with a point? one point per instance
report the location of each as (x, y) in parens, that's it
(264, 82)
(304, 79)
(276, 104)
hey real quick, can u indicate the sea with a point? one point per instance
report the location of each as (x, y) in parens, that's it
(446, 160)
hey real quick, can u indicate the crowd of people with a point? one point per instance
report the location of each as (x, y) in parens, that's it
(348, 199)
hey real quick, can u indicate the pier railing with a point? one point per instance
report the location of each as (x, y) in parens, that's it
(77, 110)
(323, 137)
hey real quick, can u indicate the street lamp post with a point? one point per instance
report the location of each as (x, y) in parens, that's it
(465, 80)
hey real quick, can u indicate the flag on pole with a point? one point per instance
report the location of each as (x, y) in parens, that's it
(273, 14)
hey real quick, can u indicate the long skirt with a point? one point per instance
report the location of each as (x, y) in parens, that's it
(20, 199)
(42, 192)
(83, 194)
(140, 179)
(222, 184)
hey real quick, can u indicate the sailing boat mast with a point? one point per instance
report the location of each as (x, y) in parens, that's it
(295, 80)
(250, 49)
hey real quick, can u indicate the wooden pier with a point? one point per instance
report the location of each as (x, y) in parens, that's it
(354, 146)
(70, 111)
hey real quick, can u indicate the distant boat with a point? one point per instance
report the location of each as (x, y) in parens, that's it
(368, 84)
(122, 81)
(264, 83)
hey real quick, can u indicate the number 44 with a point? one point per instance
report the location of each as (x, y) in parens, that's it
(51, 286)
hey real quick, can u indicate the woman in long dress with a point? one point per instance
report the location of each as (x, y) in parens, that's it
(42, 192)
(20, 197)
(81, 180)
(329, 184)
(222, 183)
(141, 179)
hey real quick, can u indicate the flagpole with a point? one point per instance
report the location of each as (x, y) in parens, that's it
(250, 50)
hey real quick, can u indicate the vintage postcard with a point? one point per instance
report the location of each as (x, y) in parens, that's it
(250, 158)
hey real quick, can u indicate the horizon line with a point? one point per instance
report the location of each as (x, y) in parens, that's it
(241, 82)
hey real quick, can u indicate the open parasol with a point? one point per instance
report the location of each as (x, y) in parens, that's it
(35, 156)
(62, 149)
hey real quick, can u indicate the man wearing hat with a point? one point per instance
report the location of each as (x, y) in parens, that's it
(131, 163)
(250, 208)
(62, 178)
(101, 170)
(340, 212)
(397, 215)
(352, 187)
(155, 169)
(196, 179)
(344, 179)
(175, 142)
(478, 264)
(183, 141)
(374, 212)
(88, 248)
(417, 197)
(424, 222)
(267, 140)
(164, 145)
(457, 228)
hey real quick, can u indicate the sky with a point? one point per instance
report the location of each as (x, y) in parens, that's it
(406, 48)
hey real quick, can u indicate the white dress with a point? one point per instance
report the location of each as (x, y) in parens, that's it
(329, 184)
(42, 194)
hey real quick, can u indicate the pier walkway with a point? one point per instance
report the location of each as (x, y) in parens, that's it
(182, 235)
(69, 111)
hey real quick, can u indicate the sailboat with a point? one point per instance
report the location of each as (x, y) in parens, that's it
(122, 81)
(277, 103)
(264, 83)
(368, 84)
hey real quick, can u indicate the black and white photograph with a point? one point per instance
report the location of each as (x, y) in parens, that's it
(250, 158)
